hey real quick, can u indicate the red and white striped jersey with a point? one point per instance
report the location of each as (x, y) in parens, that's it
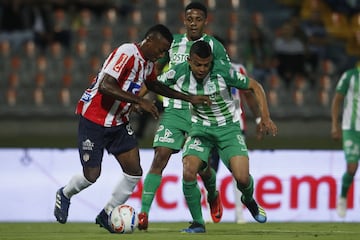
(129, 67)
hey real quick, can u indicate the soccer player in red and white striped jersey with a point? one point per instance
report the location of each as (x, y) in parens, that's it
(104, 118)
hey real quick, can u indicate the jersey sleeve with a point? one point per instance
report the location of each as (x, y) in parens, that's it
(168, 78)
(232, 77)
(237, 79)
(343, 84)
(119, 63)
(219, 52)
(171, 76)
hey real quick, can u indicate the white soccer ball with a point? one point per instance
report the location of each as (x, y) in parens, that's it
(124, 219)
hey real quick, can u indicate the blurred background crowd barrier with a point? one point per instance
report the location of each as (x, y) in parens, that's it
(51, 50)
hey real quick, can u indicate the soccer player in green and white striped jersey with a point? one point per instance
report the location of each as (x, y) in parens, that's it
(348, 94)
(216, 126)
(175, 121)
(179, 52)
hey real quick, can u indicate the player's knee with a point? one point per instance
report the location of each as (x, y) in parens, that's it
(242, 182)
(91, 176)
(133, 171)
(189, 174)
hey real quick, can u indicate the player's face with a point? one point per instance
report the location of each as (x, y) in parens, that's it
(195, 23)
(200, 67)
(157, 48)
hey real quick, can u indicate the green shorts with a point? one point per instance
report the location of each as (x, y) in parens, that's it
(228, 140)
(351, 145)
(173, 128)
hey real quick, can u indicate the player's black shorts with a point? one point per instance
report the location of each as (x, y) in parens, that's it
(94, 138)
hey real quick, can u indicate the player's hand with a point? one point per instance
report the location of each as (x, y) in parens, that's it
(336, 133)
(135, 108)
(150, 107)
(267, 126)
(200, 100)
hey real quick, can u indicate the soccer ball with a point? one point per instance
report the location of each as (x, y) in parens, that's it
(124, 219)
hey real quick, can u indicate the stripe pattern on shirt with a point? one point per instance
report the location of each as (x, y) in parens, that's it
(128, 66)
(349, 86)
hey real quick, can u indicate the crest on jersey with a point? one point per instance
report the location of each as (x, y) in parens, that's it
(170, 74)
(120, 62)
(86, 157)
(211, 88)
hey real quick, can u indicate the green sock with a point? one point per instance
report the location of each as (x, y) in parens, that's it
(210, 185)
(247, 192)
(193, 197)
(151, 184)
(347, 180)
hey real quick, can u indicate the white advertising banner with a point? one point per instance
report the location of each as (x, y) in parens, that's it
(291, 185)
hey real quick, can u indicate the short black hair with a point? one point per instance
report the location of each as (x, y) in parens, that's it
(196, 5)
(163, 30)
(201, 48)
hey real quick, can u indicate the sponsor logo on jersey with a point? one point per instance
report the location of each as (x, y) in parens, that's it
(196, 146)
(168, 133)
(120, 62)
(86, 97)
(156, 138)
(179, 57)
(160, 128)
(87, 145)
(167, 137)
(134, 88)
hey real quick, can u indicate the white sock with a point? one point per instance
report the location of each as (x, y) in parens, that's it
(122, 191)
(76, 184)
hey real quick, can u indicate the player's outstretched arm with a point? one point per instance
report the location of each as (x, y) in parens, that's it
(267, 126)
(164, 90)
(250, 99)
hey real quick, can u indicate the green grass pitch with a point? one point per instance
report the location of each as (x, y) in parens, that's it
(170, 231)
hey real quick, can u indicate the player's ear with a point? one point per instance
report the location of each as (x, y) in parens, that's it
(149, 38)
(206, 22)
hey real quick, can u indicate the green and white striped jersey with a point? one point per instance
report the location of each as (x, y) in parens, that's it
(349, 86)
(178, 53)
(217, 85)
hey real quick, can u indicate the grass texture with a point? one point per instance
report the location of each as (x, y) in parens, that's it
(170, 231)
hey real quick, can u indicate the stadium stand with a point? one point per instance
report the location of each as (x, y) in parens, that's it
(49, 81)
